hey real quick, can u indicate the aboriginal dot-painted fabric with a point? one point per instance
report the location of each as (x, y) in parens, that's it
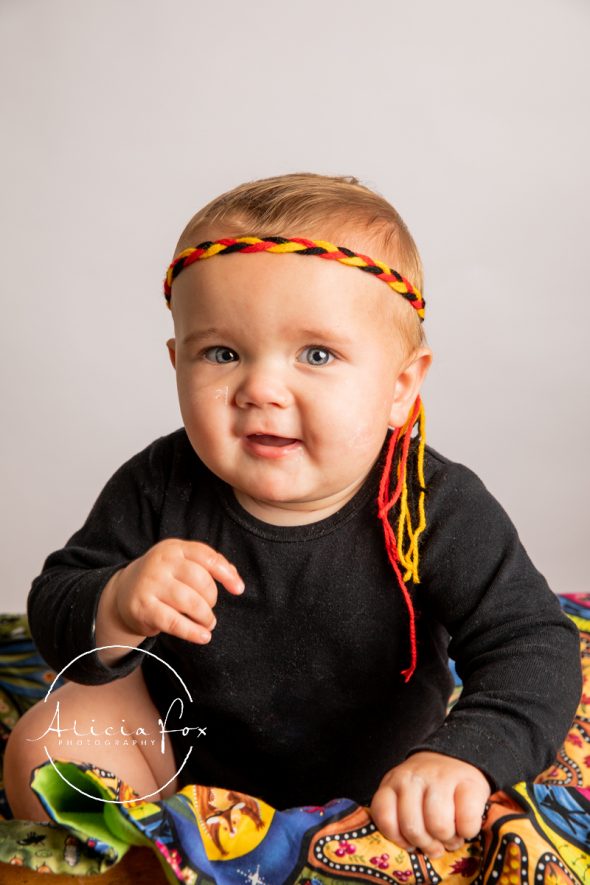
(536, 833)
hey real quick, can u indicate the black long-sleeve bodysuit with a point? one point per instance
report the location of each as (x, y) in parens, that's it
(300, 688)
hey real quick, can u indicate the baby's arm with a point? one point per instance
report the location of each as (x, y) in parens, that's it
(108, 569)
(515, 651)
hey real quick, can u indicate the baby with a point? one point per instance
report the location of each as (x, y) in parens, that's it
(297, 557)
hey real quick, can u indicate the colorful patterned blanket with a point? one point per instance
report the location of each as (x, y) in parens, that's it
(532, 833)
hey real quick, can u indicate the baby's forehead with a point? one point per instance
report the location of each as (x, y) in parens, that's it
(291, 283)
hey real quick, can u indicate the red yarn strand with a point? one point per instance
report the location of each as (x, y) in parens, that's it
(390, 539)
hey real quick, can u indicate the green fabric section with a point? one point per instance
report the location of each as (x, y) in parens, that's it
(79, 813)
(122, 828)
(47, 846)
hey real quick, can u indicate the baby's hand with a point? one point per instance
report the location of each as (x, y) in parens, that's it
(171, 589)
(430, 801)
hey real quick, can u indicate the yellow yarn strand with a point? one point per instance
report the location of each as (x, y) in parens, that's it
(410, 558)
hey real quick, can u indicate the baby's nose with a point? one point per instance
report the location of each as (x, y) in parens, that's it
(262, 386)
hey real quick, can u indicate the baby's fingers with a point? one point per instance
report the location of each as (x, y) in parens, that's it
(196, 606)
(215, 563)
(410, 811)
(470, 802)
(439, 816)
(171, 621)
(384, 814)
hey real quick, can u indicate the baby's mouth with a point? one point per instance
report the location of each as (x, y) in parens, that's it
(268, 440)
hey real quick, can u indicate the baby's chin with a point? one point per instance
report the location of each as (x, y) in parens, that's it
(283, 506)
(281, 498)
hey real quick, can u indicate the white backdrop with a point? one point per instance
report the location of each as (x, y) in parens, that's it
(121, 119)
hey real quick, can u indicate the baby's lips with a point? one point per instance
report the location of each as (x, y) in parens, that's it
(268, 439)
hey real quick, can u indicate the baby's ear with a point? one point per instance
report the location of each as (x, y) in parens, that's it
(407, 386)
(171, 345)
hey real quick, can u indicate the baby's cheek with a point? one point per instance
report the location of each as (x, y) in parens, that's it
(206, 411)
(365, 415)
(207, 396)
(361, 437)
(221, 393)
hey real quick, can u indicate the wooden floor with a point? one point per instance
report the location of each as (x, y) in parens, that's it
(138, 866)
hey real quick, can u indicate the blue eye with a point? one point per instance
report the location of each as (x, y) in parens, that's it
(322, 351)
(219, 349)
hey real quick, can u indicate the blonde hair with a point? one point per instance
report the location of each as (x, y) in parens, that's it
(291, 204)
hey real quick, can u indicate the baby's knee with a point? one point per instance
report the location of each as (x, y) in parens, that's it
(21, 756)
(22, 744)
(93, 724)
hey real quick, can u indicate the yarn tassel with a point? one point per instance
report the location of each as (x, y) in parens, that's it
(410, 559)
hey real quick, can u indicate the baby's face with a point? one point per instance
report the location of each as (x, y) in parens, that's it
(289, 371)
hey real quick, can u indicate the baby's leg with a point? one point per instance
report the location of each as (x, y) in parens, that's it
(144, 767)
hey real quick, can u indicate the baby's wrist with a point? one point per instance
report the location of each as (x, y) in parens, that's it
(109, 628)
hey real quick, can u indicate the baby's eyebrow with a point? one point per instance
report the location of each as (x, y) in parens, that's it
(313, 335)
(321, 334)
(199, 334)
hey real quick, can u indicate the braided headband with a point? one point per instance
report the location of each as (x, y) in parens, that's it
(397, 556)
(299, 246)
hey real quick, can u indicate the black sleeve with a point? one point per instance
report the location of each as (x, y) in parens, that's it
(62, 602)
(516, 652)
